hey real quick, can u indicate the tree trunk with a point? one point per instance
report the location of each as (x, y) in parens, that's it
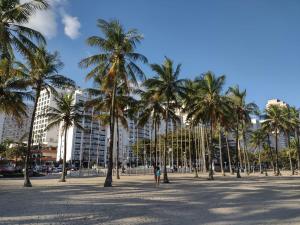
(228, 153)
(210, 154)
(276, 150)
(238, 175)
(247, 164)
(190, 152)
(271, 154)
(203, 148)
(118, 149)
(108, 180)
(290, 157)
(166, 179)
(27, 182)
(155, 143)
(196, 157)
(64, 170)
(221, 157)
(298, 148)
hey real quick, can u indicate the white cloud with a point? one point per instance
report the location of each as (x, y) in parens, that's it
(72, 26)
(46, 21)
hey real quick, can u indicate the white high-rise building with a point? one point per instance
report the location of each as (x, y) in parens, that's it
(40, 135)
(11, 130)
(84, 147)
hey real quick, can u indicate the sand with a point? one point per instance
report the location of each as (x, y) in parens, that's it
(135, 200)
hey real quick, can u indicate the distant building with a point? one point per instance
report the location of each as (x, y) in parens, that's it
(40, 135)
(276, 102)
(11, 130)
(84, 147)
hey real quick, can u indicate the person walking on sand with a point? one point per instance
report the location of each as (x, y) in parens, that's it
(154, 170)
(157, 178)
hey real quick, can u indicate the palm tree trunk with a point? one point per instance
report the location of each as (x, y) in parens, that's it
(64, 169)
(238, 175)
(298, 148)
(290, 157)
(190, 153)
(228, 154)
(177, 149)
(210, 154)
(118, 149)
(259, 160)
(108, 180)
(203, 148)
(155, 142)
(271, 154)
(166, 180)
(27, 182)
(196, 154)
(221, 157)
(276, 150)
(247, 164)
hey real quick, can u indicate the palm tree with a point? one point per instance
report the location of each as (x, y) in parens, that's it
(13, 90)
(101, 102)
(257, 139)
(13, 33)
(116, 63)
(67, 114)
(275, 122)
(41, 72)
(169, 87)
(206, 106)
(294, 115)
(242, 111)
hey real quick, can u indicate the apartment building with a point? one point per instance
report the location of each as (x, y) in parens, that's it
(84, 147)
(11, 129)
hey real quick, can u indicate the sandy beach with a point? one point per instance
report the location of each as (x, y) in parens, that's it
(135, 200)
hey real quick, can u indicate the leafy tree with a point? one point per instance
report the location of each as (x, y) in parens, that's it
(258, 137)
(41, 72)
(13, 90)
(67, 114)
(13, 30)
(275, 123)
(115, 64)
(206, 106)
(167, 86)
(242, 111)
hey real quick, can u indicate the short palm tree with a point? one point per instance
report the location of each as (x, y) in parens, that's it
(66, 114)
(206, 106)
(115, 64)
(152, 109)
(41, 72)
(258, 137)
(275, 123)
(242, 111)
(169, 88)
(14, 33)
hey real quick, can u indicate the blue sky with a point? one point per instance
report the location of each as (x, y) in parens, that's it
(256, 44)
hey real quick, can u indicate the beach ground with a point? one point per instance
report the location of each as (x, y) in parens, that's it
(253, 199)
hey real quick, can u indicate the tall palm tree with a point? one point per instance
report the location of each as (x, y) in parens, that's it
(166, 84)
(41, 72)
(13, 30)
(116, 63)
(258, 137)
(67, 114)
(242, 111)
(275, 123)
(206, 106)
(13, 90)
(101, 101)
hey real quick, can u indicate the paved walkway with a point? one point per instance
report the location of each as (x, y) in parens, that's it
(135, 200)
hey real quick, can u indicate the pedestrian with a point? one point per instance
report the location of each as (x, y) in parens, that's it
(157, 178)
